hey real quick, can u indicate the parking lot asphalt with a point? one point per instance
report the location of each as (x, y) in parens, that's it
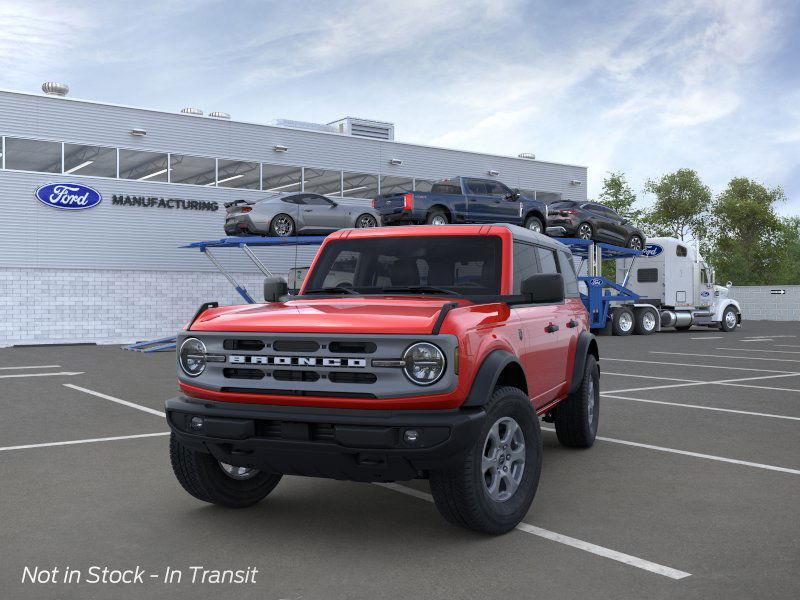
(691, 491)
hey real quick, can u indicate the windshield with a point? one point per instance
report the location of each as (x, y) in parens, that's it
(468, 265)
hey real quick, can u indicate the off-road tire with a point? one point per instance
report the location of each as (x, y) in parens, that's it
(437, 212)
(577, 417)
(531, 221)
(459, 492)
(619, 322)
(201, 475)
(723, 325)
(274, 233)
(640, 326)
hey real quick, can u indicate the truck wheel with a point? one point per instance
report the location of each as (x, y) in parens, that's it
(437, 217)
(577, 416)
(491, 486)
(281, 226)
(645, 321)
(623, 321)
(729, 320)
(210, 480)
(534, 224)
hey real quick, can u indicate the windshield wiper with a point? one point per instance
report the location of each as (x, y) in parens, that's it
(421, 289)
(332, 290)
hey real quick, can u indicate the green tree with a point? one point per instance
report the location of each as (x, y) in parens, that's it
(749, 243)
(681, 205)
(618, 195)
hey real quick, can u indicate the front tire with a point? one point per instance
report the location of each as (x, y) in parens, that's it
(534, 224)
(577, 417)
(490, 488)
(729, 320)
(209, 480)
(282, 225)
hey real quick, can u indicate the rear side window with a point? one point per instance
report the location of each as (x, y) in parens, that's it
(446, 186)
(681, 251)
(647, 275)
(293, 200)
(547, 260)
(568, 272)
(525, 264)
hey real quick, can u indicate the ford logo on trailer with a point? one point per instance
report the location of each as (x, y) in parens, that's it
(652, 250)
(596, 282)
(68, 196)
(705, 294)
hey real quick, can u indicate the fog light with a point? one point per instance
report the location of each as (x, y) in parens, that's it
(196, 423)
(411, 436)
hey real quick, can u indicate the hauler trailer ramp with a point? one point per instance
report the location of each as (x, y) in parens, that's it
(246, 245)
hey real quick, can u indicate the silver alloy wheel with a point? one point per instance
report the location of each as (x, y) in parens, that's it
(585, 231)
(439, 220)
(635, 243)
(535, 225)
(282, 225)
(730, 319)
(591, 401)
(365, 221)
(625, 320)
(649, 321)
(503, 459)
(240, 473)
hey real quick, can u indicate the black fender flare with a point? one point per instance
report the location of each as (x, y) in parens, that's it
(535, 212)
(486, 379)
(587, 344)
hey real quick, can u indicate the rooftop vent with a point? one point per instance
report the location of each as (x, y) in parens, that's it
(376, 130)
(303, 125)
(192, 111)
(219, 115)
(527, 155)
(51, 88)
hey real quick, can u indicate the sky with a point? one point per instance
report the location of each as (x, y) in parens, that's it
(639, 87)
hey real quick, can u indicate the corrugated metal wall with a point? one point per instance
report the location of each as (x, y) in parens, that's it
(124, 237)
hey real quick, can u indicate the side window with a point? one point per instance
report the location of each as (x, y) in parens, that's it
(495, 188)
(316, 200)
(476, 186)
(547, 260)
(647, 275)
(343, 271)
(704, 276)
(525, 264)
(445, 186)
(681, 251)
(292, 200)
(568, 271)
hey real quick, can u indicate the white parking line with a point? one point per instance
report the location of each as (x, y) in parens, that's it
(723, 356)
(717, 382)
(627, 559)
(787, 346)
(655, 362)
(64, 373)
(651, 377)
(86, 441)
(708, 337)
(31, 367)
(152, 411)
(733, 461)
(758, 350)
(713, 408)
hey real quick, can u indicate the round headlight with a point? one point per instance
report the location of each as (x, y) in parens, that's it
(192, 357)
(425, 363)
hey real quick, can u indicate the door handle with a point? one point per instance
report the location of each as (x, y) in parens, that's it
(306, 210)
(551, 328)
(572, 323)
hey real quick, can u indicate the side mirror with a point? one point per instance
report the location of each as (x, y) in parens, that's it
(544, 288)
(274, 289)
(334, 204)
(729, 285)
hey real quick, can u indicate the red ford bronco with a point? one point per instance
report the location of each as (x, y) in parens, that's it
(409, 352)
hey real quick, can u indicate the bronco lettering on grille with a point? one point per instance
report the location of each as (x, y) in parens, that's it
(298, 361)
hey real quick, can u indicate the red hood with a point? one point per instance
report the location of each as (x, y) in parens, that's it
(387, 314)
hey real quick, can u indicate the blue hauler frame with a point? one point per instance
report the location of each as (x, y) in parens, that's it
(601, 291)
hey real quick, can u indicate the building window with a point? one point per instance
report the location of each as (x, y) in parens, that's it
(280, 178)
(423, 185)
(321, 181)
(237, 174)
(33, 155)
(144, 166)
(396, 185)
(194, 170)
(359, 185)
(96, 161)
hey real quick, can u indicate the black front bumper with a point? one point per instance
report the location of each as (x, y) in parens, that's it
(359, 445)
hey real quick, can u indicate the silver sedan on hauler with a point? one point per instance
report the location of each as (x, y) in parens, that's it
(295, 213)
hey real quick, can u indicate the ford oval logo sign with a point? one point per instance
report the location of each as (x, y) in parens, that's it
(595, 282)
(68, 196)
(705, 294)
(652, 250)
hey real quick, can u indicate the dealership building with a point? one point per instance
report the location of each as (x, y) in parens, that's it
(116, 271)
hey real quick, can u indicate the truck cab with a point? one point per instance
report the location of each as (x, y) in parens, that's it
(409, 352)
